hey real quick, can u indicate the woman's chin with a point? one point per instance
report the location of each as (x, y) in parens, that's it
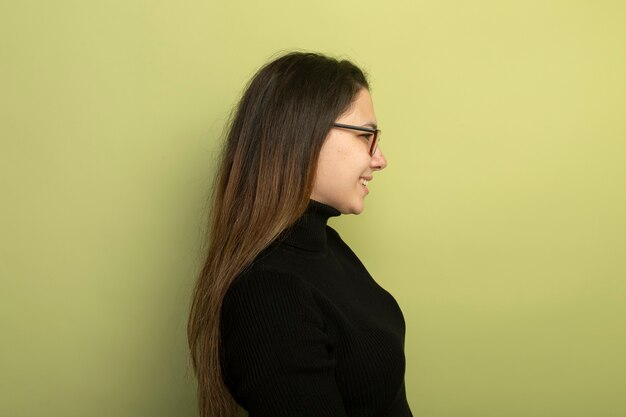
(357, 208)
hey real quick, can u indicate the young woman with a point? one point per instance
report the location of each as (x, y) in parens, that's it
(285, 319)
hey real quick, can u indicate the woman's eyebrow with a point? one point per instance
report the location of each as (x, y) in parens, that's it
(371, 124)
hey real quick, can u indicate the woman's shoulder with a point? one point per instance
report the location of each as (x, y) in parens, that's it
(264, 285)
(268, 295)
(258, 273)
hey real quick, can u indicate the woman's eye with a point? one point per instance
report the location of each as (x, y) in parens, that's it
(366, 135)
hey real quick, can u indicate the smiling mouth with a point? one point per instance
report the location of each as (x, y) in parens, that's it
(363, 182)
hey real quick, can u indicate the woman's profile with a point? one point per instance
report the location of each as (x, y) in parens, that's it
(285, 320)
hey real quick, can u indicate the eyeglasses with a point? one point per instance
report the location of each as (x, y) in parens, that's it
(372, 139)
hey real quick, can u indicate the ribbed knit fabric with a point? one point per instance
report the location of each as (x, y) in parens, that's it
(307, 332)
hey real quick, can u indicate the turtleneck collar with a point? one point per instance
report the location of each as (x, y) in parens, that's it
(309, 231)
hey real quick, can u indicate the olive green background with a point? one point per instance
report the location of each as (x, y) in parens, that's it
(498, 225)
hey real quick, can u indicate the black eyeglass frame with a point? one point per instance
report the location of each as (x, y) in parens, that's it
(373, 142)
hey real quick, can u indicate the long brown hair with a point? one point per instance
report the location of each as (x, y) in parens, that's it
(262, 187)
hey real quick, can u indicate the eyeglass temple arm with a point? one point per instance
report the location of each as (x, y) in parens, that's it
(363, 129)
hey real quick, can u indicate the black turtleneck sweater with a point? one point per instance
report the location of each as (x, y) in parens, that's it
(307, 332)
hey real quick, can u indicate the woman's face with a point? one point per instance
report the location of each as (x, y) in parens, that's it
(345, 161)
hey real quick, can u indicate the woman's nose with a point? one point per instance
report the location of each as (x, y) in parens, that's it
(378, 159)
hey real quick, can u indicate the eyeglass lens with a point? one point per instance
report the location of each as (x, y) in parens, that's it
(374, 139)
